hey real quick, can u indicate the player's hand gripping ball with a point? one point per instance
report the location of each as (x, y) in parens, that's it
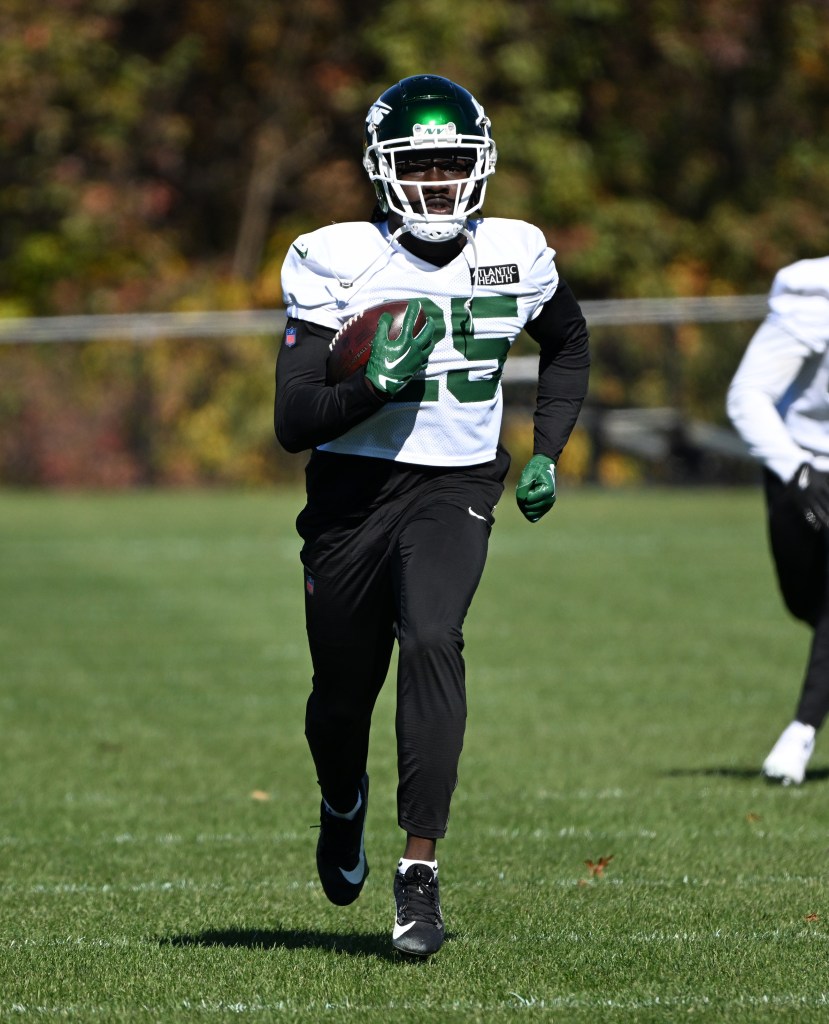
(392, 340)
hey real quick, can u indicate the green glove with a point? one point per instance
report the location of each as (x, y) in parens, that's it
(394, 361)
(536, 490)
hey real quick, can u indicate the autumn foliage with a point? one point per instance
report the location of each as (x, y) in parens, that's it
(162, 156)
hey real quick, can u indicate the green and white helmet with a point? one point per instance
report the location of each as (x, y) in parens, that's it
(412, 119)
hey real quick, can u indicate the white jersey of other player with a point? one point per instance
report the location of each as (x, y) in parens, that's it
(450, 414)
(779, 398)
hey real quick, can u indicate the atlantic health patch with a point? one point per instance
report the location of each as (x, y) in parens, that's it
(505, 273)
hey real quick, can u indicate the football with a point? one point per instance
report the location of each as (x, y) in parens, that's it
(351, 345)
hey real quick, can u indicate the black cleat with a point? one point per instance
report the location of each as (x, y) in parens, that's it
(341, 858)
(418, 927)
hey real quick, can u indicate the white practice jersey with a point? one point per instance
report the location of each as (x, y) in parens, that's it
(450, 414)
(779, 398)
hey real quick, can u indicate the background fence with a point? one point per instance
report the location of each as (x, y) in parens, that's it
(153, 326)
(142, 399)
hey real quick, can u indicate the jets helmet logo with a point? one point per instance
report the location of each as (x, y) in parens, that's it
(376, 113)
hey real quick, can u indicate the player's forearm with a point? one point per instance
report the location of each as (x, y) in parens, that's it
(561, 393)
(308, 412)
(306, 415)
(758, 423)
(563, 370)
(771, 362)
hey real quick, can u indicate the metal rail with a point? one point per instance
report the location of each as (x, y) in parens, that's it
(147, 327)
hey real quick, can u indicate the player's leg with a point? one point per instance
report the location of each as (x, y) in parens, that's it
(801, 560)
(798, 552)
(348, 617)
(350, 637)
(438, 561)
(348, 614)
(349, 621)
(813, 705)
(439, 558)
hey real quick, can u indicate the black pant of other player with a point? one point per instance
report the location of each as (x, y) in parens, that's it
(392, 551)
(801, 559)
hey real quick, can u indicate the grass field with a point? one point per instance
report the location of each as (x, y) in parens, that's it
(629, 665)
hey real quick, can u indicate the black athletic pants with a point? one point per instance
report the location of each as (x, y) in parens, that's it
(392, 551)
(801, 558)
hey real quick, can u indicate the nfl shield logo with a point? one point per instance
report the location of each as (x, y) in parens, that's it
(290, 337)
(309, 586)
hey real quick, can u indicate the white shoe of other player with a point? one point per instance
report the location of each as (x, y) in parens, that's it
(790, 754)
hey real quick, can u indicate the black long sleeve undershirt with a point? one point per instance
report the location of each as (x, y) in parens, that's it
(307, 412)
(561, 332)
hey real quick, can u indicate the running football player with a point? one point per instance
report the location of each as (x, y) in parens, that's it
(406, 466)
(779, 402)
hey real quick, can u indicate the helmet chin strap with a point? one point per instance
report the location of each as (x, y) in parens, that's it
(470, 237)
(350, 282)
(431, 231)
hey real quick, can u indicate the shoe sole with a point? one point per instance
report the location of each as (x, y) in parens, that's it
(419, 953)
(781, 780)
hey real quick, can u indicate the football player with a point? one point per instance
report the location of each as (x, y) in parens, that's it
(406, 467)
(779, 402)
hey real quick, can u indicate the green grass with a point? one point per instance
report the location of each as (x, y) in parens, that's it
(629, 665)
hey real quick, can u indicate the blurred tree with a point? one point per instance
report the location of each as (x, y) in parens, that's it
(155, 153)
(162, 154)
(89, 144)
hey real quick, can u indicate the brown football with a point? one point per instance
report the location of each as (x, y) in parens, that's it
(351, 345)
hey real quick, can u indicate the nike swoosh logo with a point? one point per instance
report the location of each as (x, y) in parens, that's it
(401, 929)
(355, 875)
(390, 364)
(476, 514)
(302, 250)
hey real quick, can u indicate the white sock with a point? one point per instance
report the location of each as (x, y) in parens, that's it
(351, 815)
(403, 865)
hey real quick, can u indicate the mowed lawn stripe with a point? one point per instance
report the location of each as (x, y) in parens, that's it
(612, 854)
